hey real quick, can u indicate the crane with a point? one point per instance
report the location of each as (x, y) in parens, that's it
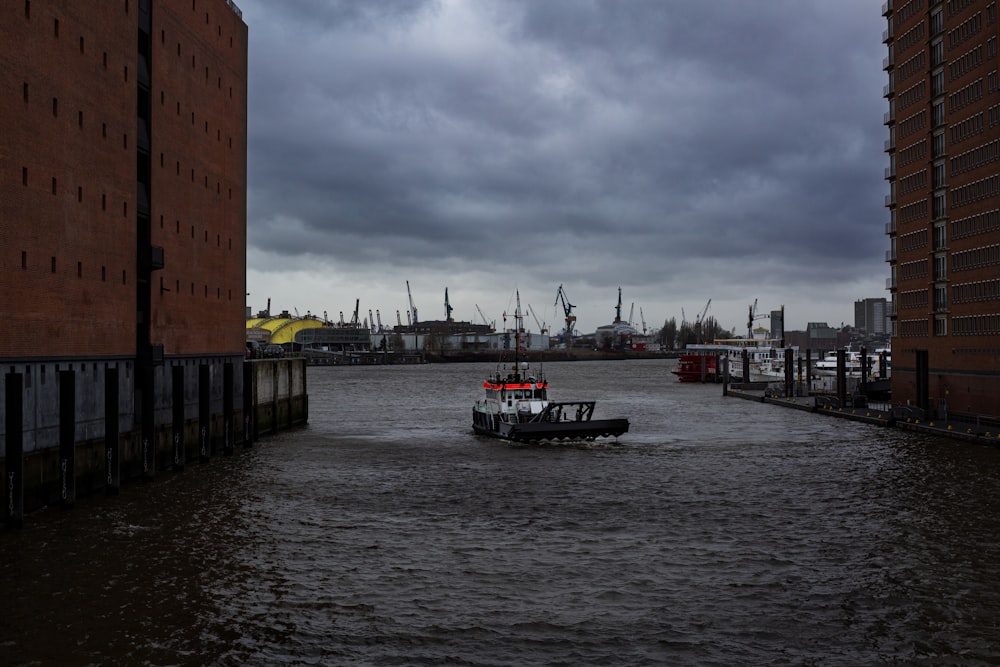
(618, 308)
(751, 317)
(371, 321)
(354, 319)
(643, 318)
(447, 306)
(541, 325)
(399, 322)
(570, 318)
(485, 321)
(413, 309)
(700, 322)
(631, 314)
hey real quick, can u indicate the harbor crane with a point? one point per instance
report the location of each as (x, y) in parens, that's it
(491, 325)
(354, 318)
(570, 318)
(371, 321)
(700, 322)
(541, 325)
(399, 322)
(447, 306)
(412, 315)
(643, 318)
(753, 316)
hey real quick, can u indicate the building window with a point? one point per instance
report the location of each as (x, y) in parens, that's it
(55, 27)
(79, 118)
(25, 90)
(79, 269)
(24, 259)
(53, 185)
(81, 44)
(940, 267)
(940, 326)
(104, 274)
(55, 106)
(24, 175)
(79, 193)
(940, 298)
(53, 265)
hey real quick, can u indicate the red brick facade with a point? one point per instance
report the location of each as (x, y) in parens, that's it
(68, 177)
(199, 176)
(943, 93)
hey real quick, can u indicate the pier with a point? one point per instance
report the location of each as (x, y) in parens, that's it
(79, 433)
(979, 430)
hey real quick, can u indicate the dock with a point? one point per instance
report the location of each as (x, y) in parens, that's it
(960, 427)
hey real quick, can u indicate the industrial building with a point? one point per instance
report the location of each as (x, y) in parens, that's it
(943, 175)
(122, 229)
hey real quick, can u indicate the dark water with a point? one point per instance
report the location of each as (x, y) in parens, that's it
(717, 532)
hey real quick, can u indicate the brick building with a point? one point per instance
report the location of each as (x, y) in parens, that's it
(943, 119)
(122, 214)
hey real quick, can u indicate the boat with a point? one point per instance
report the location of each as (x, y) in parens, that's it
(854, 361)
(694, 367)
(766, 361)
(517, 408)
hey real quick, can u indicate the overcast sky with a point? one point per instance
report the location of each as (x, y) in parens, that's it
(683, 151)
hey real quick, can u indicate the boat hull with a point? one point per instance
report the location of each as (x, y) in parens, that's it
(555, 431)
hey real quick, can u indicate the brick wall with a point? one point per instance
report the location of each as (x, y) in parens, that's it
(68, 77)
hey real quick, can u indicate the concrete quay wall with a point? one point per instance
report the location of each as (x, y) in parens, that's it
(72, 427)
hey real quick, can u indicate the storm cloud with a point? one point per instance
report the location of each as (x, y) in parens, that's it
(682, 151)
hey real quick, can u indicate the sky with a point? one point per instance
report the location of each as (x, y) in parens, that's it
(692, 154)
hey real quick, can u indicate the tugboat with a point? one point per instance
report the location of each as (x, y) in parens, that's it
(517, 408)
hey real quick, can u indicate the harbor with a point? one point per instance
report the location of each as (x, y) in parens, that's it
(716, 531)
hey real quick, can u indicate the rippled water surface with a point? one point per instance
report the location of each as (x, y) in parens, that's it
(717, 531)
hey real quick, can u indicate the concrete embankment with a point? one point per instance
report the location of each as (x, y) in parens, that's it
(82, 433)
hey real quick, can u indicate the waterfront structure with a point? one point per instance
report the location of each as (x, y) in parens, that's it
(122, 227)
(943, 176)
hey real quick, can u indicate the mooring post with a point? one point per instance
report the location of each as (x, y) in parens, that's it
(177, 391)
(725, 375)
(227, 408)
(67, 438)
(204, 415)
(789, 373)
(147, 424)
(866, 366)
(248, 404)
(112, 483)
(746, 365)
(14, 448)
(842, 377)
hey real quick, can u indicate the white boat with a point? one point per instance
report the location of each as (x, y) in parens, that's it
(854, 363)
